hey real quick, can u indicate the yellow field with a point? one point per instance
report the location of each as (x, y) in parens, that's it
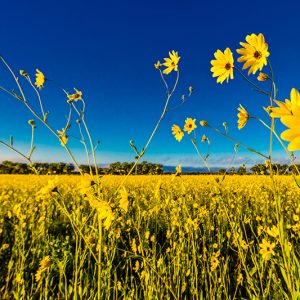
(156, 237)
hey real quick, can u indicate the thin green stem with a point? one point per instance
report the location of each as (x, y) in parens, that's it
(81, 115)
(32, 141)
(200, 155)
(152, 134)
(281, 143)
(252, 83)
(237, 142)
(38, 95)
(35, 114)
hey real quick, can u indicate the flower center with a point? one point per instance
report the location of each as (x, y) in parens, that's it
(257, 54)
(228, 66)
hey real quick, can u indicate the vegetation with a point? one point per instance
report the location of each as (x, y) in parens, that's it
(162, 238)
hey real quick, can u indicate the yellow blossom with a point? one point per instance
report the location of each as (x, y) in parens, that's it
(286, 108)
(262, 77)
(292, 121)
(266, 249)
(158, 65)
(254, 53)
(177, 132)
(124, 199)
(203, 123)
(222, 66)
(274, 232)
(190, 125)
(171, 63)
(40, 79)
(243, 117)
(204, 138)
(75, 97)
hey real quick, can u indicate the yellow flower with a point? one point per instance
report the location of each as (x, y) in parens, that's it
(254, 53)
(266, 249)
(44, 265)
(40, 79)
(243, 117)
(190, 125)
(124, 199)
(177, 132)
(293, 133)
(262, 77)
(171, 63)
(203, 123)
(286, 108)
(157, 65)
(204, 138)
(75, 97)
(274, 232)
(222, 66)
(63, 137)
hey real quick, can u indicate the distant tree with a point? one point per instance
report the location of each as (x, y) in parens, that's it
(242, 170)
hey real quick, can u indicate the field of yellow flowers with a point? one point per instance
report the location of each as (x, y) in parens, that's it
(156, 237)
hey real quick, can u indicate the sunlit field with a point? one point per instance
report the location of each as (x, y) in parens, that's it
(158, 237)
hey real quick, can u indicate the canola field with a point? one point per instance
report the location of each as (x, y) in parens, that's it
(155, 237)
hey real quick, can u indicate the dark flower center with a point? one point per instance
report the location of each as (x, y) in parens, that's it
(257, 54)
(228, 66)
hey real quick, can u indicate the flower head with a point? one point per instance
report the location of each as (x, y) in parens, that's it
(243, 117)
(177, 132)
(190, 125)
(40, 79)
(157, 65)
(222, 66)
(203, 123)
(286, 108)
(289, 113)
(171, 63)
(254, 53)
(204, 138)
(262, 77)
(266, 249)
(75, 97)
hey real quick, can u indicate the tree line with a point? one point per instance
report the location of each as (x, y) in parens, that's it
(143, 168)
(116, 168)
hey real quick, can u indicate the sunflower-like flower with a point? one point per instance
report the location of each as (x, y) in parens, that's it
(177, 132)
(171, 63)
(243, 117)
(40, 79)
(222, 66)
(190, 125)
(286, 108)
(266, 249)
(75, 97)
(254, 53)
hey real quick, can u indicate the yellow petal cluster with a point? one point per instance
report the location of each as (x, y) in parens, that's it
(254, 53)
(177, 132)
(75, 97)
(171, 62)
(289, 114)
(40, 79)
(243, 117)
(190, 125)
(222, 65)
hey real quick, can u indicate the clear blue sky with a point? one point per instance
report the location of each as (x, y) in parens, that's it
(107, 50)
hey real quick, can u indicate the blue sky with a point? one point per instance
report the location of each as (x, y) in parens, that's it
(107, 50)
